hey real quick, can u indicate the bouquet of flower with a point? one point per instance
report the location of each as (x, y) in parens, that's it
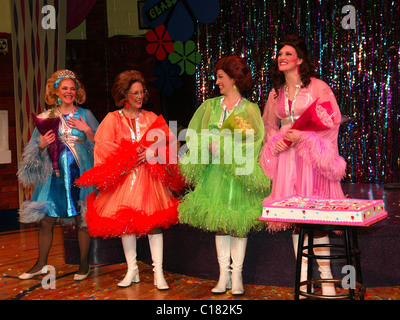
(316, 117)
(235, 122)
(44, 125)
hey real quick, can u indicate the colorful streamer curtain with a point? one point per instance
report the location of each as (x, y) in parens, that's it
(360, 64)
(37, 52)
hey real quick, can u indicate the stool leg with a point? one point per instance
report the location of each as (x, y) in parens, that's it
(348, 257)
(357, 258)
(358, 262)
(304, 263)
(299, 258)
(310, 261)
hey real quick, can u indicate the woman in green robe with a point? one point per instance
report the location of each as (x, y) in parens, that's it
(224, 139)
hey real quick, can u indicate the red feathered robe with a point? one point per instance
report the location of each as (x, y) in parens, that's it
(132, 197)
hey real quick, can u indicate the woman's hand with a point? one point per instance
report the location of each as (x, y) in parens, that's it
(213, 148)
(81, 125)
(141, 154)
(281, 146)
(293, 136)
(47, 139)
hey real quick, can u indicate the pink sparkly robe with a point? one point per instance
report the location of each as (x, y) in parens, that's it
(311, 167)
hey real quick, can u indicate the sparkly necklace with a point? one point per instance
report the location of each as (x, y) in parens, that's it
(225, 113)
(65, 128)
(69, 114)
(290, 112)
(135, 137)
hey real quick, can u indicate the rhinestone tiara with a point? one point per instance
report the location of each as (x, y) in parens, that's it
(66, 73)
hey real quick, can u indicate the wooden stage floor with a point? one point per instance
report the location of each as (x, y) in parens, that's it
(18, 252)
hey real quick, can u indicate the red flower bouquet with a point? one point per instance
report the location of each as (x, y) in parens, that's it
(316, 117)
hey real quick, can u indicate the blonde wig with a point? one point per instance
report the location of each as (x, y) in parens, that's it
(55, 81)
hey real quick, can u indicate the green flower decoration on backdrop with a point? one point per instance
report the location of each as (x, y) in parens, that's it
(186, 56)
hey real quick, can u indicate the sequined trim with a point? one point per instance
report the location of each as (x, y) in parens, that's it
(225, 113)
(66, 135)
(134, 136)
(288, 120)
(290, 111)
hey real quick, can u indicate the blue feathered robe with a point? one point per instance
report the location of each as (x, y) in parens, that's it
(53, 196)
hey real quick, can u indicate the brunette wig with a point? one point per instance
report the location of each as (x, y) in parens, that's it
(306, 68)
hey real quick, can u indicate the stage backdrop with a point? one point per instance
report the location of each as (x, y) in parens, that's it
(38, 51)
(357, 55)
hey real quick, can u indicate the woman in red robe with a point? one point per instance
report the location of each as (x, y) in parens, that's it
(134, 181)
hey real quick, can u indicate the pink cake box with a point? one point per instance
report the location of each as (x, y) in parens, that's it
(357, 212)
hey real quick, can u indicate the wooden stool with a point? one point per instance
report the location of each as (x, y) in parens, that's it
(351, 251)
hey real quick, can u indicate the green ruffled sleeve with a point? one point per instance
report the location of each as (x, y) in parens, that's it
(239, 151)
(197, 159)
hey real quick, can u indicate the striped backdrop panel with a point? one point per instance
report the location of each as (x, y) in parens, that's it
(37, 53)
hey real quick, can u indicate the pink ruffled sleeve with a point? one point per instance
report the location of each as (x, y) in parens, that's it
(320, 148)
(270, 117)
(324, 93)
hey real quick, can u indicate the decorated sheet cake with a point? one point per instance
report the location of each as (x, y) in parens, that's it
(325, 211)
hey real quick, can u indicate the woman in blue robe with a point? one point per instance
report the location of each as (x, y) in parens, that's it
(52, 163)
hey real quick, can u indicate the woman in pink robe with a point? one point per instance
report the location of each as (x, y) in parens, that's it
(311, 165)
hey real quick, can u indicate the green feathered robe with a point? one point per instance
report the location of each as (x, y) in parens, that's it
(229, 184)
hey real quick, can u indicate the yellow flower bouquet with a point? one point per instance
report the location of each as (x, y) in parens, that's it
(237, 122)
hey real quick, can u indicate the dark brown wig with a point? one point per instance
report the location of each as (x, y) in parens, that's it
(307, 68)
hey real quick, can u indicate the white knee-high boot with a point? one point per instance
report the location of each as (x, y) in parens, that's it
(324, 265)
(156, 243)
(238, 252)
(129, 245)
(223, 246)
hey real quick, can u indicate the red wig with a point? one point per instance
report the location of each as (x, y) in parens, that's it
(236, 68)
